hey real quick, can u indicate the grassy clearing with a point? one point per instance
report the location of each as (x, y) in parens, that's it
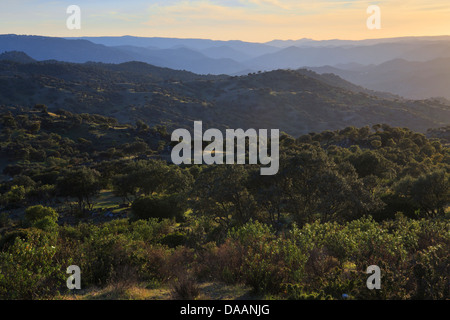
(107, 201)
(208, 291)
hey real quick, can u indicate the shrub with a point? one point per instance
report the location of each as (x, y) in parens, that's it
(174, 240)
(185, 288)
(36, 213)
(253, 255)
(5, 221)
(103, 255)
(28, 267)
(159, 206)
(43, 218)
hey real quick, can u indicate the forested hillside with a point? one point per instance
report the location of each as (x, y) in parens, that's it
(88, 190)
(296, 102)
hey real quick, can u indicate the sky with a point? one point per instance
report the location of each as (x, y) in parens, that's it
(247, 20)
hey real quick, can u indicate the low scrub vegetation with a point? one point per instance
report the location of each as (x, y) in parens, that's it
(342, 201)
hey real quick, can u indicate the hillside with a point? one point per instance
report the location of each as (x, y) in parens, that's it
(80, 51)
(297, 57)
(16, 56)
(86, 180)
(88, 190)
(289, 100)
(410, 79)
(50, 48)
(205, 56)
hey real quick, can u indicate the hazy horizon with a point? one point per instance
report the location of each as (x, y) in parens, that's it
(438, 37)
(245, 20)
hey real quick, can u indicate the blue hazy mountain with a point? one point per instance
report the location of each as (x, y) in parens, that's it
(419, 68)
(79, 51)
(229, 57)
(16, 56)
(410, 79)
(250, 49)
(305, 42)
(182, 58)
(50, 48)
(296, 57)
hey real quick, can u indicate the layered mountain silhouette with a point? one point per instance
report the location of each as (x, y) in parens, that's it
(191, 54)
(411, 79)
(16, 56)
(79, 51)
(294, 101)
(412, 67)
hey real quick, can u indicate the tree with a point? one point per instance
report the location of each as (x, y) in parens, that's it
(159, 206)
(82, 183)
(147, 177)
(136, 148)
(431, 191)
(311, 186)
(8, 120)
(41, 107)
(124, 186)
(141, 126)
(14, 197)
(33, 126)
(221, 191)
(43, 194)
(41, 217)
(370, 163)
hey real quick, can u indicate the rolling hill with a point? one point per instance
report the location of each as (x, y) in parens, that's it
(296, 102)
(204, 56)
(80, 51)
(410, 79)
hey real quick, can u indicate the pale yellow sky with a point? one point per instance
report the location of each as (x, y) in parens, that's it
(249, 20)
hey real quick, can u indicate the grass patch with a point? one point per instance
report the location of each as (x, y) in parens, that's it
(141, 291)
(108, 201)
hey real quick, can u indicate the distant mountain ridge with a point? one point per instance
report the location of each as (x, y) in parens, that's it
(16, 56)
(338, 42)
(296, 102)
(297, 57)
(410, 79)
(412, 67)
(227, 57)
(80, 51)
(252, 49)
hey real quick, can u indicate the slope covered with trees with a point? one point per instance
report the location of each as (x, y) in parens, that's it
(296, 102)
(85, 189)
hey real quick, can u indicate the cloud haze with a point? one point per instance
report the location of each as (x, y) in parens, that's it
(250, 20)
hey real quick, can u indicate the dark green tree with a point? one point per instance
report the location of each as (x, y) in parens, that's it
(82, 183)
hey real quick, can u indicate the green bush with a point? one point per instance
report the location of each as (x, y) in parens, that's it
(40, 217)
(159, 206)
(36, 213)
(174, 240)
(28, 268)
(266, 262)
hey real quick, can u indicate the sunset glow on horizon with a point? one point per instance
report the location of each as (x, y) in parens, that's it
(247, 20)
